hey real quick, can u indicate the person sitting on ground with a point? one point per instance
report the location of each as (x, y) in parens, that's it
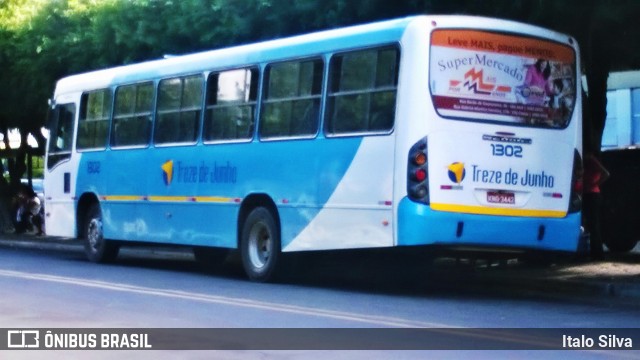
(28, 207)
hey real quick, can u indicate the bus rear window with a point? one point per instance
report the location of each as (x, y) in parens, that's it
(502, 78)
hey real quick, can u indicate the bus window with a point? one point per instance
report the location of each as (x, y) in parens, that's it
(132, 115)
(231, 104)
(179, 108)
(93, 125)
(518, 80)
(362, 93)
(292, 99)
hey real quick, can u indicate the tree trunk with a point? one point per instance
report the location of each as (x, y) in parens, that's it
(598, 55)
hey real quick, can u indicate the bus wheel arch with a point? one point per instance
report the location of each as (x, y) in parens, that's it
(85, 203)
(259, 238)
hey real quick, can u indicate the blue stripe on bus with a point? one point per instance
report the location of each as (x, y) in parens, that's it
(418, 224)
(299, 175)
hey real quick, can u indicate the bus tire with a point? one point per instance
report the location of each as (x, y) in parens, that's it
(620, 241)
(96, 247)
(260, 245)
(617, 225)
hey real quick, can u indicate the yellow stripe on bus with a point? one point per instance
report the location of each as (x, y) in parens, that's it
(482, 210)
(170, 198)
(161, 198)
(123, 198)
(215, 199)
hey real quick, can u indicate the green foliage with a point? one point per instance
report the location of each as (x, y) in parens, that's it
(43, 40)
(37, 167)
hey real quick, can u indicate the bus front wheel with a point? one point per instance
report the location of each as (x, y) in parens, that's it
(260, 245)
(96, 247)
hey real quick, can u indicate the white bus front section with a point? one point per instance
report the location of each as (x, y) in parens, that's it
(60, 179)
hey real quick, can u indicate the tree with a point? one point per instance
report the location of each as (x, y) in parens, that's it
(42, 41)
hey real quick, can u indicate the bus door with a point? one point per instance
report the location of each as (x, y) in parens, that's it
(61, 171)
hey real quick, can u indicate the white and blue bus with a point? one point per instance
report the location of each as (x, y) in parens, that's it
(427, 130)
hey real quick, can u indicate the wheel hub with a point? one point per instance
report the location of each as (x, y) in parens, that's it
(260, 245)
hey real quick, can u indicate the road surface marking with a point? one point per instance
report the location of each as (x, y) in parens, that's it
(225, 300)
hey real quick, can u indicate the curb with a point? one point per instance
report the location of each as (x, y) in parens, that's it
(45, 244)
(544, 283)
(74, 245)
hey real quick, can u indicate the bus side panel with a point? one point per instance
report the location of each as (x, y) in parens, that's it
(141, 203)
(299, 176)
(97, 175)
(192, 194)
(123, 193)
(190, 223)
(356, 203)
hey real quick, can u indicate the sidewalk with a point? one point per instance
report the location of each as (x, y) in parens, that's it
(616, 280)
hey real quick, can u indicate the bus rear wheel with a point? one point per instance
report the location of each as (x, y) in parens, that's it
(260, 245)
(620, 241)
(618, 229)
(96, 247)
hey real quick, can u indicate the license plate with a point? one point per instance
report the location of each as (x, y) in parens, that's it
(496, 197)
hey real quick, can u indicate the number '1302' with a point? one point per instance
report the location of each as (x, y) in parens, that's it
(506, 150)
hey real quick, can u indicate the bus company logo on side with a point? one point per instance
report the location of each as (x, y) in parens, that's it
(189, 173)
(456, 172)
(167, 172)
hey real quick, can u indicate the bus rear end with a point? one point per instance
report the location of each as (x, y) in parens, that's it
(499, 162)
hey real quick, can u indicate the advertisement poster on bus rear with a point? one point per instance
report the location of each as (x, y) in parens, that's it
(480, 75)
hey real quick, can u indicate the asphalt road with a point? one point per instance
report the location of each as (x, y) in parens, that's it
(150, 288)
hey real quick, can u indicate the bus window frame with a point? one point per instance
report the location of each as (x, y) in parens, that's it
(109, 120)
(264, 83)
(199, 122)
(112, 146)
(61, 156)
(397, 46)
(259, 70)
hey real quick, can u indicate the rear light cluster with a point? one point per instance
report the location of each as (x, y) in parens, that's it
(418, 173)
(575, 201)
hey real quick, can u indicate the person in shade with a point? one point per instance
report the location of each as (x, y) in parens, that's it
(594, 175)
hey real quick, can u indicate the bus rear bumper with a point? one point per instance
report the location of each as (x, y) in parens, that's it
(418, 224)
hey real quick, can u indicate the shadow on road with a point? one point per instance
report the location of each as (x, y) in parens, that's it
(422, 271)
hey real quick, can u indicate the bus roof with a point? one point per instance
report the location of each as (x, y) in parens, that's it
(237, 56)
(388, 31)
